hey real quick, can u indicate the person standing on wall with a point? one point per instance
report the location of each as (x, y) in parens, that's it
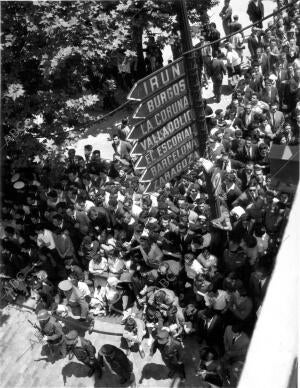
(218, 70)
(226, 15)
(256, 12)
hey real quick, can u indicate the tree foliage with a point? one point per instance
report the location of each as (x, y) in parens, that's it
(50, 50)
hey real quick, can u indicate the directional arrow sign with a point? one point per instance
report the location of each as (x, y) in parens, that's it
(166, 147)
(167, 176)
(161, 78)
(168, 161)
(157, 101)
(167, 113)
(163, 133)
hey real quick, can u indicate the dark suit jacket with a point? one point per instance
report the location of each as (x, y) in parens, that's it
(244, 156)
(125, 149)
(244, 179)
(232, 195)
(255, 12)
(253, 45)
(217, 70)
(239, 348)
(270, 99)
(256, 290)
(278, 120)
(243, 121)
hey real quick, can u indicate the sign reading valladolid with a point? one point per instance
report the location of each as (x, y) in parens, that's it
(165, 136)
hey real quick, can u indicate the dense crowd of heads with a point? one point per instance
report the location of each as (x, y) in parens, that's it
(162, 254)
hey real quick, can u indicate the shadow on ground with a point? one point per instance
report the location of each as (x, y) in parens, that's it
(74, 369)
(154, 371)
(109, 380)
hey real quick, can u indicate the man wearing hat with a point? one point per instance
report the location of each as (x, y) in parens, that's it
(116, 361)
(83, 350)
(171, 351)
(53, 332)
(74, 298)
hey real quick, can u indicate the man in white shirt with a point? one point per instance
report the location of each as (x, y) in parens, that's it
(233, 65)
(192, 266)
(44, 237)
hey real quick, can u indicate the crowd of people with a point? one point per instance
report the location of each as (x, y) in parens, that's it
(90, 239)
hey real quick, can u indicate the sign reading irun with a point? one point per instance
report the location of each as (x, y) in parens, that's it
(157, 80)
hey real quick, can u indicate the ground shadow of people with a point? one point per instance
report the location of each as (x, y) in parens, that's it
(226, 90)
(74, 369)
(155, 371)
(71, 323)
(110, 380)
(49, 356)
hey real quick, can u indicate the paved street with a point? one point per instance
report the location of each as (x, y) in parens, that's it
(21, 349)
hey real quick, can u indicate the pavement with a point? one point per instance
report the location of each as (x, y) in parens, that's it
(25, 363)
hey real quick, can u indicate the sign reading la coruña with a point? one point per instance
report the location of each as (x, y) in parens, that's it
(157, 101)
(158, 80)
(167, 113)
(165, 148)
(180, 167)
(167, 162)
(163, 133)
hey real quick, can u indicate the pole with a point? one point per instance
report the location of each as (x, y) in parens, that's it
(193, 69)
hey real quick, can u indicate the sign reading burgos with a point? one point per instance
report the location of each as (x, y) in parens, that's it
(166, 135)
(156, 102)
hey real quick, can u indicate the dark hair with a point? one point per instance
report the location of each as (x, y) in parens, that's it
(88, 147)
(52, 194)
(57, 217)
(9, 230)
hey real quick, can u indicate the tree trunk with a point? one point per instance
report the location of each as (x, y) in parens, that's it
(137, 31)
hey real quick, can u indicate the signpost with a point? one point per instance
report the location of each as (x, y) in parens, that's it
(161, 117)
(169, 161)
(154, 155)
(166, 135)
(158, 80)
(160, 99)
(155, 138)
(178, 169)
(172, 125)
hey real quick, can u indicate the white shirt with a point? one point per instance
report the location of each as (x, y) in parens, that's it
(219, 301)
(233, 58)
(47, 237)
(84, 289)
(193, 270)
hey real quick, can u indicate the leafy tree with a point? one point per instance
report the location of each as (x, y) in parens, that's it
(53, 54)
